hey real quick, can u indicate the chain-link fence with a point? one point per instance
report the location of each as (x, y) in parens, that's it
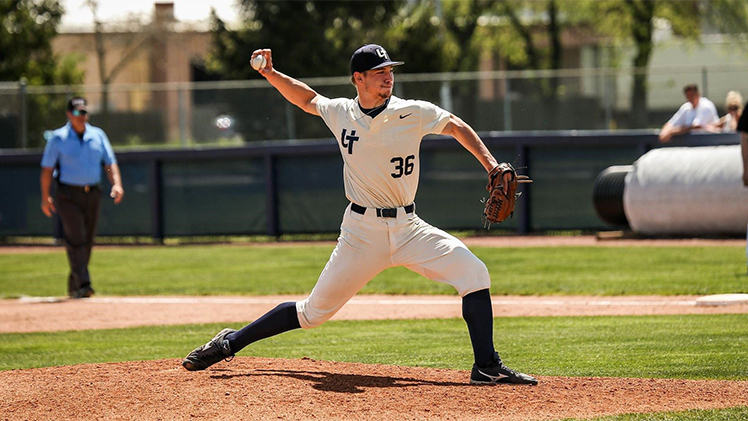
(233, 113)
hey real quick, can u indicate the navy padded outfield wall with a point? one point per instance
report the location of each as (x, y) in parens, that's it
(297, 187)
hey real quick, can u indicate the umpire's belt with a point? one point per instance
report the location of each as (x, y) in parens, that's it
(87, 188)
(383, 213)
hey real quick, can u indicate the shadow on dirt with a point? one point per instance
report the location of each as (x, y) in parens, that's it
(343, 383)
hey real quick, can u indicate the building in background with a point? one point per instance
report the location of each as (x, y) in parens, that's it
(162, 51)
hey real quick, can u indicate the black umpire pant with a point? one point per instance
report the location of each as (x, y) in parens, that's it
(78, 208)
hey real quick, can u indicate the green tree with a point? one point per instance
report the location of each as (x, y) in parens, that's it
(527, 34)
(634, 20)
(26, 31)
(523, 35)
(309, 38)
(315, 38)
(420, 38)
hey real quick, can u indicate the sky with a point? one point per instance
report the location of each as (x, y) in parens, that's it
(78, 14)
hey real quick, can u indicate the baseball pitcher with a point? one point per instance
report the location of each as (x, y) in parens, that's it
(379, 137)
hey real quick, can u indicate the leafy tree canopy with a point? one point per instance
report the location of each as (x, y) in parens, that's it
(316, 38)
(26, 31)
(308, 38)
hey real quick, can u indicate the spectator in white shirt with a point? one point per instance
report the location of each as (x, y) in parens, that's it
(695, 114)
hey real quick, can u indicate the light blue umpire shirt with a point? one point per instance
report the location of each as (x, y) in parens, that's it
(79, 159)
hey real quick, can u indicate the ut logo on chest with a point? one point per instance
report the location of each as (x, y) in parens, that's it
(347, 141)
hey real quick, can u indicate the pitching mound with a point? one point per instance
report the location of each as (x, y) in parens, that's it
(259, 388)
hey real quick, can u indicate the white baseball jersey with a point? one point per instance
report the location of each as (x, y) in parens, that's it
(381, 169)
(381, 155)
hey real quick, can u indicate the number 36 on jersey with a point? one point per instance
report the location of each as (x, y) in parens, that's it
(402, 166)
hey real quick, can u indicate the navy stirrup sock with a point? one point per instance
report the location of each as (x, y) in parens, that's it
(478, 314)
(278, 320)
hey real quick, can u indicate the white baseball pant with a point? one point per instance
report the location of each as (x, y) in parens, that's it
(369, 244)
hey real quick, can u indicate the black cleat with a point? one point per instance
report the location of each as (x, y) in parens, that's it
(214, 351)
(84, 292)
(497, 373)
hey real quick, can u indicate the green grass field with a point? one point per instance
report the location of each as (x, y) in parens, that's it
(689, 347)
(218, 270)
(729, 414)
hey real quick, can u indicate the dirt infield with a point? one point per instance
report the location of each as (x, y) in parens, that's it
(263, 389)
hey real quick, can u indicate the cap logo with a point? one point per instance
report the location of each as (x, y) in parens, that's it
(383, 54)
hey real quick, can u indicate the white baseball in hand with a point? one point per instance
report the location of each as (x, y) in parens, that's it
(259, 62)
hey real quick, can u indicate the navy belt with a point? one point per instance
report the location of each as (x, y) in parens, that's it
(383, 212)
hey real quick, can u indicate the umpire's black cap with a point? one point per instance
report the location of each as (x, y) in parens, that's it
(370, 57)
(77, 103)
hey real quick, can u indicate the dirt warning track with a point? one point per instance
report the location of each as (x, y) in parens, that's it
(38, 314)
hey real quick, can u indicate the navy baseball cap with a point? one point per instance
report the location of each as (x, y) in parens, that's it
(370, 57)
(77, 103)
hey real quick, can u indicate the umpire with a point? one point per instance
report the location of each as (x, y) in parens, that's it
(74, 156)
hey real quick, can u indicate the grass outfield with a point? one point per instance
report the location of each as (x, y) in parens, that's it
(686, 347)
(267, 270)
(729, 414)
